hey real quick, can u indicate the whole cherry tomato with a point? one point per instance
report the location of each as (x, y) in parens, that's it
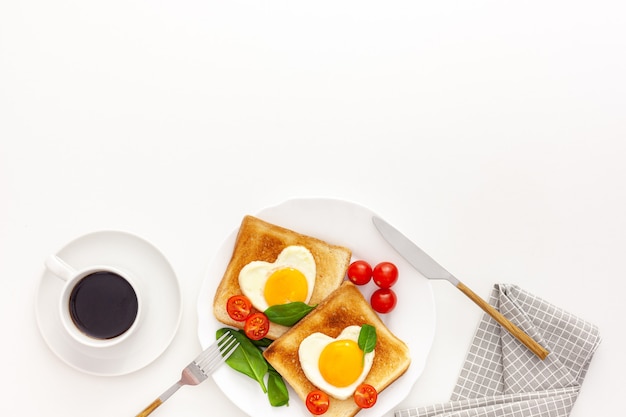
(383, 300)
(365, 396)
(238, 307)
(385, 274)
(360, 272)
(257, 325)
(317, 402)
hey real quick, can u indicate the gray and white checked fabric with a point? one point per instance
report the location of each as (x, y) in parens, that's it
(501, 377)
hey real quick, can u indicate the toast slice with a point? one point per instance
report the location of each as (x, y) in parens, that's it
(344, 307)
(258, 240)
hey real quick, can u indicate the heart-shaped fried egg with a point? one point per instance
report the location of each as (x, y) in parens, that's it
(335, 365)
(290, 278)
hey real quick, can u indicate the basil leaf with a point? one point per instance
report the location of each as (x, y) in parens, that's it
(367, 338)
(276, 389)
(288, 314)
(247, 358)
(263, 343)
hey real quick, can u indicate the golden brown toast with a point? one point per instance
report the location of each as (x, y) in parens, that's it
(344, 307)
(258, 240)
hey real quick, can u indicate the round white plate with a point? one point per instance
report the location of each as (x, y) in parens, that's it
(160, 294)
(343, 223)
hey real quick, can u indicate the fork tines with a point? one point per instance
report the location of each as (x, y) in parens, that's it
(210, 358)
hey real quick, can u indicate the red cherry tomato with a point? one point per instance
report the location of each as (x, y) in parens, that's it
(365, 396)
(257, 325)
(360, 272)
(385, 274)
(317, 402)
(238, 307)
(383, 300)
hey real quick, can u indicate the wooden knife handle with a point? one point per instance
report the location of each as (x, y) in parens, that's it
(529, 342)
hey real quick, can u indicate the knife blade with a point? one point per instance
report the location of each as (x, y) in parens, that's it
(430, 269)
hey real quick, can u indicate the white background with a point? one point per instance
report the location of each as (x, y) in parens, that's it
(492, 133)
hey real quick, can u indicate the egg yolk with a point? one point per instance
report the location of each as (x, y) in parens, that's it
(341, 362)
(285, 285)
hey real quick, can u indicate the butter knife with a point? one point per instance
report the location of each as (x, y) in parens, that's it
(432, 270)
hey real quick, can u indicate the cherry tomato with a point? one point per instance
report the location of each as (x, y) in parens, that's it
(383, 300)
(385, 274)
(365, 396)
(238, 307)
(257, 325)
(317, 402)
(360, 272)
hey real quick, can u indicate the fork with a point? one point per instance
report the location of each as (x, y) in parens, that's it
(199, 369)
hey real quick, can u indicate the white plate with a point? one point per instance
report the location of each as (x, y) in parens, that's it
(160, 293)
(342, 223)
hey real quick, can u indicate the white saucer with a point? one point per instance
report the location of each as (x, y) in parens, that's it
(348, 224)
(160, 294)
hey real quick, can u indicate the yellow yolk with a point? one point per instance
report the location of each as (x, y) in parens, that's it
(285, 285)
(341, 362)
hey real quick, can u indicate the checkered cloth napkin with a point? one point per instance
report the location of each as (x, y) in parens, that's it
(501, 377)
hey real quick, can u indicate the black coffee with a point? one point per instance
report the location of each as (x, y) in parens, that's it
(103, 305)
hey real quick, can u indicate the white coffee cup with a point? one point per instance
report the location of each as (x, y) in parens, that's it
(100, 306)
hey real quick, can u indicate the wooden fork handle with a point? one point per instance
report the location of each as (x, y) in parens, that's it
(529, 342)
(149, 409)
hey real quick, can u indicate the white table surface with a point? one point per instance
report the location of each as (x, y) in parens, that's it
(492, 133)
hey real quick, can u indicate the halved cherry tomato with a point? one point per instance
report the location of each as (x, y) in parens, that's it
(383, 300)
(238, 307)
(317, 402)
(365, 396)
(385, 274)
(359, 272)
(257, 325)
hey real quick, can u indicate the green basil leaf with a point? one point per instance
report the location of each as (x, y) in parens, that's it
(247, 358)
(288, 314)
(367, 338)
(276, 389)
(263, 343)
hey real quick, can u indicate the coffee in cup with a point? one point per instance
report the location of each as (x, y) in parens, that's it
(99, 306)
(103, 305)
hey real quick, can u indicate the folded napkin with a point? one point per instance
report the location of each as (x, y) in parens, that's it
(501, 377)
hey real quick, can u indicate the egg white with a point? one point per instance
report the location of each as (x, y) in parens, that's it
(309, 352)
(253, 276)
